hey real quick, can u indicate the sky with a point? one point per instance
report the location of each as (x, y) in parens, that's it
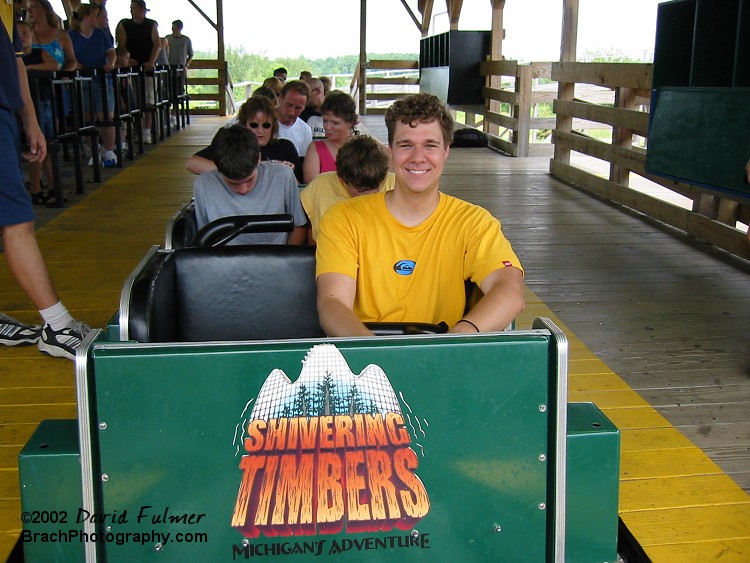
(330, 28)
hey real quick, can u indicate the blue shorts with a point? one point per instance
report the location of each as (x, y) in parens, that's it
(96, 86)
(45, 118)
(15, 204)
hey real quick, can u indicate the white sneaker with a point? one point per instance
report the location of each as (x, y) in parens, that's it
(147, 137)
(63, 343)
(109, 159)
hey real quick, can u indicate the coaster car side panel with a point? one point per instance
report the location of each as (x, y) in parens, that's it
(477, 435)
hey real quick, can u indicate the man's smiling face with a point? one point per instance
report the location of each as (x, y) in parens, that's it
(418, 155)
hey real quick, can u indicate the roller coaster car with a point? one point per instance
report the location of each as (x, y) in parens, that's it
(216, 423)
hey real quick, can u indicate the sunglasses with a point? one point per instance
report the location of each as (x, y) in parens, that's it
(255, 125)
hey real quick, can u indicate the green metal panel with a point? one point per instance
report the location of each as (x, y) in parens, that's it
(50, 475)
(592, 485)
(699, 135)
(169, 417)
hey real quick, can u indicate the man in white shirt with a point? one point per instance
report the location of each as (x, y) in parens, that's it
(294, 96)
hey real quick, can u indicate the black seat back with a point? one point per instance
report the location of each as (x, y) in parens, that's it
(182, 228)
(229, 293)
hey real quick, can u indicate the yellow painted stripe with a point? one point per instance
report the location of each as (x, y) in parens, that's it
(690, 524)
(721, 551)
(680, 492)
(677, 462)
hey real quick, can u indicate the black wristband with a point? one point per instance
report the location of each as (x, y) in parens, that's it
(469, 322)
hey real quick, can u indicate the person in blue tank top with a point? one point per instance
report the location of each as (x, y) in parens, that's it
(49, 35)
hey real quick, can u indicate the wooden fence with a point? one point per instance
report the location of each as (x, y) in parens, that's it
(375, 92)
(513, 98)
(713, 215)
(219, 87)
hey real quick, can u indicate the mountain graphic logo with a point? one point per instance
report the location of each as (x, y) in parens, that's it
(329, 452)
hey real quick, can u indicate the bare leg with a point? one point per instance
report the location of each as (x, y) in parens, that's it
(108, 138)
(48, 171)
(27, 264)
(35, 176)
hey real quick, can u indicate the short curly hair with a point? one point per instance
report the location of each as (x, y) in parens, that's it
(341, 105)
(419, 108)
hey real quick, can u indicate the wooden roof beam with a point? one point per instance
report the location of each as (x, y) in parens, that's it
(454, 12)
(425, 8)
(411, 14)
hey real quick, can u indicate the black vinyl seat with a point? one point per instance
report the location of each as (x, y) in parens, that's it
(227, 293)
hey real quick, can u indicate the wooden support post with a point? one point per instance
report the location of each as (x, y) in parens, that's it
(621, 137)
(566, 90)
(362, 57)
(496, 54)
(522, 111)
(221, 55)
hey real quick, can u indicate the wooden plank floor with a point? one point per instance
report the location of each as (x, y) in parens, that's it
(659, 328)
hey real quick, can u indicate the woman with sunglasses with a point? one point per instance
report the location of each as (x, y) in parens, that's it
(259, 115)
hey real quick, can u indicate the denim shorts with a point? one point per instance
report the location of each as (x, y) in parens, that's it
(45, 118)
(15, 204)
(96, 86)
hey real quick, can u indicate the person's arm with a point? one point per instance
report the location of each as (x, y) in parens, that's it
(109, 64)
(503, 299)
(70, 57)
(336, 306)
(34, 136)
(311, 166)
(198, 165)
(156, 41)
(189, 53)
(297, 236)
(747, 171)
(48, 63)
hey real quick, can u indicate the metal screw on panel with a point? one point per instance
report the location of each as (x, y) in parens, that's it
(542, 506)
(105, 477)
(415, 534)
(542, 408)
(497, 528)
(102, 426)
(158, 546)
(542, 457)
(109, 528)
(245, 542)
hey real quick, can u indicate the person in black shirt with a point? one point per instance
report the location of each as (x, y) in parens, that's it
(259, 115)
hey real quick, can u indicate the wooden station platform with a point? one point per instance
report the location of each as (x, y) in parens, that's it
(659, 327)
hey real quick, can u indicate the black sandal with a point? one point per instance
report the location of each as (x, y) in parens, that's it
(39, 198)
(51, 198)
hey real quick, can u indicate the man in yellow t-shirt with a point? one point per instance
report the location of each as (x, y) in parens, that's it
(403, 255)
(361, 168)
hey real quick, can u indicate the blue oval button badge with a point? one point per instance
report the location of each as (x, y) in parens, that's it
(404, 267)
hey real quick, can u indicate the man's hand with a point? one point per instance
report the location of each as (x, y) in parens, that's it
(37, 144)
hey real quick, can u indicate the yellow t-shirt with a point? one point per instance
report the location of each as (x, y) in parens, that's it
(413, 274)
(325, 190)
